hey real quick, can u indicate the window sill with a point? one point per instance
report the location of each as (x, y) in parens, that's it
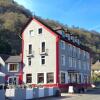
(12, 71)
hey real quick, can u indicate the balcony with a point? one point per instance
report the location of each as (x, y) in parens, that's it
(45, 53)
(31, 54)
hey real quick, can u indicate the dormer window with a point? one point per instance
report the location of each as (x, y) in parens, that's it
(31, 32)
(40, 31)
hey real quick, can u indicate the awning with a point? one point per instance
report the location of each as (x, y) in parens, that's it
(2, 74)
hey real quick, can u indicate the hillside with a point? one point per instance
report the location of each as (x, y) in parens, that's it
(13, 17)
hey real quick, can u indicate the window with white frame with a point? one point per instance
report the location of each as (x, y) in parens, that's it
(62, 44)
(87, 55)
(75, 61)
(42, 60)
(62, 77)
(79, 64)
(88, 65)
(71, 50)
(79, 53)
(13, 67)
(30, 48)
(40, 78)
(13, 80)
(29, 61)
(84, 54)
(50, 77)
(63, 60)
(31, 32)
(84, 64)
(43, 47)
(28, 78)
(10, 80)
(71, 62)
(40, 31)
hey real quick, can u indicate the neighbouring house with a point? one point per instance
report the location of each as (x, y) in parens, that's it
(96, 67)
(12, 70)
(53, 57)
(96, 73)
(3, 58)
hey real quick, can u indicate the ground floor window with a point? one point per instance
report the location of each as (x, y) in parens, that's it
(28, 78)
(40, 78)
(13, 80)
(79, 78)
(62, 77)
(50, 77)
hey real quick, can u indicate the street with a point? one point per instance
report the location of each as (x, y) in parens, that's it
(90, 95)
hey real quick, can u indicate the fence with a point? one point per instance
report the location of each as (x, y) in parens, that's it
(2, 94)
(30, 93)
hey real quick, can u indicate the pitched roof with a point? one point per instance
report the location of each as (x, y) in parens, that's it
(13, 59)
(55, 31)
(96, 66)
(4, 56)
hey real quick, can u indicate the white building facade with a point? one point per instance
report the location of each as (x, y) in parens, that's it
(53, 58)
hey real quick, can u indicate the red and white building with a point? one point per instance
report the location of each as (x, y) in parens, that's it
(53, 57)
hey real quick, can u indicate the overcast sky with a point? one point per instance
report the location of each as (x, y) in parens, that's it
(82, 13)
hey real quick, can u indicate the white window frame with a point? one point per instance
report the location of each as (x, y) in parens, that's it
(31, 48)
(28, 76)
(9, 67)
(64, 79)
(41, 46)
(63, 45)
(13, 78)
(47, 77)
(43, 78)
(31, 32)
(63, 60)
(30, 61)
(42, 59)
(38, 30)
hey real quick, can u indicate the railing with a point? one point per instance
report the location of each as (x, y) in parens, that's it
(29, 54)
(45, 53)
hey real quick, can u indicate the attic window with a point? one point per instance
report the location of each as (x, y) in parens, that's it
(40, 31)
(31, 32)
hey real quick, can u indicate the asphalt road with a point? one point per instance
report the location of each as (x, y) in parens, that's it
(89, 95)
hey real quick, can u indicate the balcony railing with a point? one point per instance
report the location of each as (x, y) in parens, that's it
(45, 53)
(30, 54)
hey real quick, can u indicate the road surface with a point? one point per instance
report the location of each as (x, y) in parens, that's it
(90, 95)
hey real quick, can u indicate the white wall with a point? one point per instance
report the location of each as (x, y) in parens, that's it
(36, 40)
